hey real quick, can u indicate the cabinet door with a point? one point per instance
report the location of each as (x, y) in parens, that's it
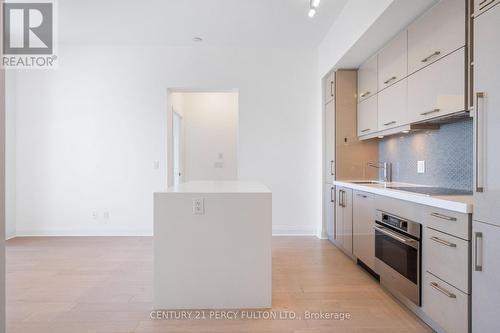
(363, 213)
(446, 305)
(368, 116)
(487, 115)
(347, 220)
(339, 217)
(367, 79)
(436, 34)
(329, 87)
(393, 62)
(447, 258)
(330, 142)
(485, 277)
(439, 89)
(392, 106)
(329, 207)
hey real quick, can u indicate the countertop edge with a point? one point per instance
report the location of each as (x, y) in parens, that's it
(437, 202)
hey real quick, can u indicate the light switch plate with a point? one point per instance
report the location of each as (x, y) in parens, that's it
(421, 167)
(199, 206)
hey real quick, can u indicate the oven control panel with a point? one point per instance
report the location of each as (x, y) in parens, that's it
(408, 227)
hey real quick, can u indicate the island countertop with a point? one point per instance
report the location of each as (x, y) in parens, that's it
(219, 187)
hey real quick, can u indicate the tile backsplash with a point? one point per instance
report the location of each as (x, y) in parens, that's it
(447, 153)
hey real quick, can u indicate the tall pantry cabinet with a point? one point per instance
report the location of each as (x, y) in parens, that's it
(486, 217)
(345, 157)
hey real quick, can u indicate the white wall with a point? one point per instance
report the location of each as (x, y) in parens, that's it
(356, 18)
(10, 156)
(210, 122)
(2, 198)
(89, 132)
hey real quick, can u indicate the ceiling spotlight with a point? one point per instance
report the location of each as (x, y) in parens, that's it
(197, 39)
(405, 132)
(315, 3)
(380, 136)
(312, 12)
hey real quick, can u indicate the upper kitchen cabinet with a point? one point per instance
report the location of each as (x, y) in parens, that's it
(436, 34)
(367, 79)
(392, 106)
(367, 116)
(393, 62)
(329, 87)
(439, 89)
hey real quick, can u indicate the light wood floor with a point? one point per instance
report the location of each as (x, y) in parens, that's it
(104, 285)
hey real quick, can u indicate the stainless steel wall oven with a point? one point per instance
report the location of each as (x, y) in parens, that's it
(398, 254)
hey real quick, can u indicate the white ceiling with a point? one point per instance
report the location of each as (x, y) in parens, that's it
(277, 23)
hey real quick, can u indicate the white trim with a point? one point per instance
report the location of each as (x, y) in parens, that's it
(83, 233)
(285, 230)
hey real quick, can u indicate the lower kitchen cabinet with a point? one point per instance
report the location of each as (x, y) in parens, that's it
(343, 219)
(446, 305)
(485, 278)
(448, 258)
(363, 214)
(329, 210)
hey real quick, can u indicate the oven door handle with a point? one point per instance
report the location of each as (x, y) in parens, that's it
(395, 236)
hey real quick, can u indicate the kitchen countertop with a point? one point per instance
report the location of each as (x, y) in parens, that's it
(219, 187)
(456, 203)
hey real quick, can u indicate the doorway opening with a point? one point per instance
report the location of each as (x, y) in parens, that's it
(202, 136)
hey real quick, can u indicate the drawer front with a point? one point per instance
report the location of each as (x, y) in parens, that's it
(392, 62)
(455, 224)
(436, 34)
(367, 79)
(439, 89)
(447, 258)
(446, 305)
(392, 108)
(368, 116)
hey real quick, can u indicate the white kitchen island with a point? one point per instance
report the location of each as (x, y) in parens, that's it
(212, 246)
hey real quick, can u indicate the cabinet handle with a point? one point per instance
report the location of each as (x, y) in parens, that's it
(479, 146)
(332, 173)
(389, 80)
(431, 56)
(362, 195)
(442, 290)
(482, 4)
(443, 217)
(332, 194)
(429, 112)
(365, 130)
(365, 94)
(478, 265)
(340, 198)
(390, 123)
(442, 241)
(331, 88)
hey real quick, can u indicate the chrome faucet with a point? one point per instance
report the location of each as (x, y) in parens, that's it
(387, 169)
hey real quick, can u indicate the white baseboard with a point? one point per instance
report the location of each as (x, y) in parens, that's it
(10, 236)
(82, 233)
(293, 231)
(277, 231)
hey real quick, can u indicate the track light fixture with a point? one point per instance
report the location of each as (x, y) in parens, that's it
(313, 4)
